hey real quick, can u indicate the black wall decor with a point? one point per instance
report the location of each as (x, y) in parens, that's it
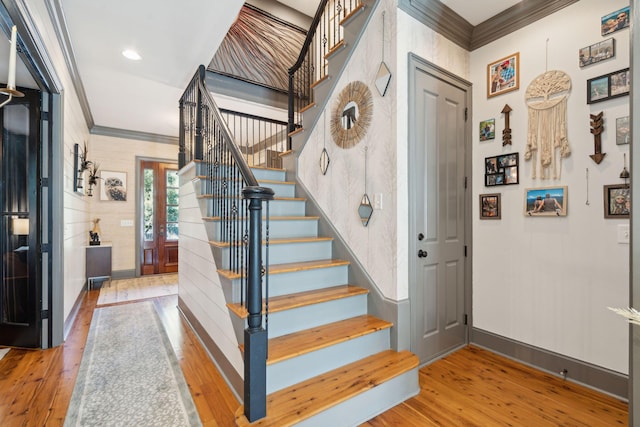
(501, 170)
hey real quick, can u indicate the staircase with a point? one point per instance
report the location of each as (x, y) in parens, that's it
(329, 361)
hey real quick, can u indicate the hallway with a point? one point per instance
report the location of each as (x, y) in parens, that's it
(471, 387)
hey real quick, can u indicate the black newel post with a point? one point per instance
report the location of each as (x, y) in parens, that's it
(255, 336)
(182, 159)
(291, 116)
(199, 113)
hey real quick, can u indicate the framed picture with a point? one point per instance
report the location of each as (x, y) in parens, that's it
(622, 130)
(503, 75)
(487, 129)
(113, 186)
(615, 21)
(617, 201)
(609, 86)
(597, 52)
(501, 170)
(545, 201)
(490, 206)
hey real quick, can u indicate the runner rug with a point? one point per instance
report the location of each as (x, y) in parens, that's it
(129, 375)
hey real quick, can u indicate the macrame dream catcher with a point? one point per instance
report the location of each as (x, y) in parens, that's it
(547, 143)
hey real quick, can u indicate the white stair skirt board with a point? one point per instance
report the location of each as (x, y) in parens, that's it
(3, 352)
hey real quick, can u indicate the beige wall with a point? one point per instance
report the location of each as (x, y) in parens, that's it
(119, 155)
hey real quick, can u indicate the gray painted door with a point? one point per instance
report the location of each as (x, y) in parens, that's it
(437, 240)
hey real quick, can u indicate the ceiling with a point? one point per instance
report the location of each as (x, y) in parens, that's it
(173, 40)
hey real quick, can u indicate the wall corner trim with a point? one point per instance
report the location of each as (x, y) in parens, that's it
(133, 134)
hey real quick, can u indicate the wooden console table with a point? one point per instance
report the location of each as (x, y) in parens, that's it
(98, 263)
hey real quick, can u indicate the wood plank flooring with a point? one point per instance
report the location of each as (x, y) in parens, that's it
(471, 387)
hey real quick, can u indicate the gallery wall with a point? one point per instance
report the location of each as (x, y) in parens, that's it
(547, 281)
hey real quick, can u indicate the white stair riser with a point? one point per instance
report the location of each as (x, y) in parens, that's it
(301, 318)
(282, 253)
(259, 173)
(280, 189)
(276, 207)
(299, 281)
(373, 402)
(288, 372)
(278, 229)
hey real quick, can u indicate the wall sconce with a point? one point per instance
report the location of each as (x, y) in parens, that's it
(10, 90)
(20, 226)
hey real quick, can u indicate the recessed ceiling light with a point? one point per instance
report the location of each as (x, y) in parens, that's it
(131, 54)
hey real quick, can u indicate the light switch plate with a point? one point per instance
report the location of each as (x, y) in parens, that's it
(624, 233)
(126, 223)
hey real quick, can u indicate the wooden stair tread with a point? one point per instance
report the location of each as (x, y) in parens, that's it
(273, 218)
(301, 401)
(291, 267)
(307, 107)
(336, 47)
(301, 299)
(298, 343)
(278, 241)
(295, 132)
(356, 10)
(320, 80)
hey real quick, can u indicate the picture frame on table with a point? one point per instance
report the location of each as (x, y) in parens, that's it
(503, 75)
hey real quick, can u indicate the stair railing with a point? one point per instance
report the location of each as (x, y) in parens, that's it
(260, 139)
(324, 36)
(205, 138)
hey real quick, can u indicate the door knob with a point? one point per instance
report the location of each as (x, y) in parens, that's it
(422, 254)
(420, 236)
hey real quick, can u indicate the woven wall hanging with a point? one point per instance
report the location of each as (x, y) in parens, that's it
(547, 143)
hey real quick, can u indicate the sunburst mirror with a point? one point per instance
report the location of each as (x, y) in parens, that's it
(351, 115)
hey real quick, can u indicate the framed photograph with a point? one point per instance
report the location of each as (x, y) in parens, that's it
(617, 201)
(490, 206)
(545, 201)
(113, 186)
(597, 52)
(503, 75)
(609, 86)
(487, 129)
(615, 21)
(622, 130)
(501, 170)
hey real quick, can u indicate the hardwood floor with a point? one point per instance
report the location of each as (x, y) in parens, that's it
(471, 387)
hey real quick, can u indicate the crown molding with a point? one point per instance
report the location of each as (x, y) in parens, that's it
(56, 14)
(133, 134)
(445, 21)
(441, 19)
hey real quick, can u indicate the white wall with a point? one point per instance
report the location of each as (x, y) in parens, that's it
(75, 131)
(414, 37)
(119, 155)
(339, 191)
(547, 281)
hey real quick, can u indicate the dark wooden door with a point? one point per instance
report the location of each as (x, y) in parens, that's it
(20, 271)
(159, 231)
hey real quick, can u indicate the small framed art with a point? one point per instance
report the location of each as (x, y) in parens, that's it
(615, 21)
(608, 86)
(501, 170)
(113, 186)
(622, 130)
(503, 75)
(487, 129)
(545, 201)
(597, 52)
(490, 206)
(617, 201)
